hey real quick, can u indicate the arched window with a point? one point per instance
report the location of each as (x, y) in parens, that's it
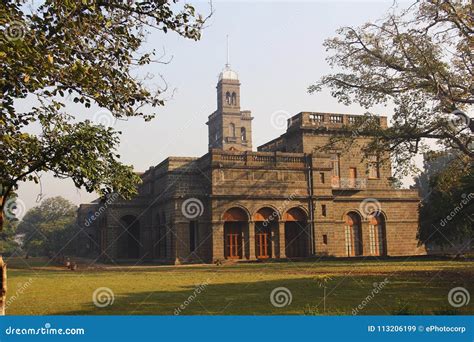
(234, 99)
(243, 134)
(228, 98)
(232, 130)
(377, 234)
(353, 234)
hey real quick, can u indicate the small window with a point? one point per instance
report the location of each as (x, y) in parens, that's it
(374, 171)
(321, 177)
(193, 227)
(335, 165)
(323, 210)
(325, 239)
(232, 130)
(352, 182)
(234, 99)
(243, 134)
(228, 99)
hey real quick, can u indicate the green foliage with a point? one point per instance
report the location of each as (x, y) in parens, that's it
(8, 243)
(49, 228)
(447, 188)
(420, 60)
(87, 52)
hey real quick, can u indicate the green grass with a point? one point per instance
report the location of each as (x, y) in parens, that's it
(414, 287)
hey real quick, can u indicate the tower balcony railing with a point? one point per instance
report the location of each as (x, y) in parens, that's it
(331, 120)
(348, 183)
(247, 158)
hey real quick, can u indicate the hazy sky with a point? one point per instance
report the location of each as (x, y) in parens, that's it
(276, 48)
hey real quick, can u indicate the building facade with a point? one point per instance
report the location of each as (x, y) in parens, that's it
(285, 200)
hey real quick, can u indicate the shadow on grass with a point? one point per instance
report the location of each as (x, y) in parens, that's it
(403, 294)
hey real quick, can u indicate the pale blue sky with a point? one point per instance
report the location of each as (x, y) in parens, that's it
(276, 48)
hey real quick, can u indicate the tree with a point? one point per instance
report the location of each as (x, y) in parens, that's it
(87, 51)
(447, 210)
(8, 238)
(419, 60)
(47, 229)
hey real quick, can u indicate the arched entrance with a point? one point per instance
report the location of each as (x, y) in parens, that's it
(296, 233)
(353, 234)
(235, 222)
(130, 237)
(377, 234)
(266, 227)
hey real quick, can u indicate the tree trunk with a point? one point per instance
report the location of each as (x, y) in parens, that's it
(3, 270)
(3, 286)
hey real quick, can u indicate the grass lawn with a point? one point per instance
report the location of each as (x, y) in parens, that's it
(414, 287)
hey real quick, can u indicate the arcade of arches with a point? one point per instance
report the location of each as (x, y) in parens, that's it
(353, 235)
(265, 235)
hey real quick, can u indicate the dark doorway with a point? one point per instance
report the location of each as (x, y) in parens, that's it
(130, 239)
(233, 240)
(296, 233)
(263, 240)
(235, 223)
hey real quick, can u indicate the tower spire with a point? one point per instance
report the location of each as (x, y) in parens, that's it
(228, 54)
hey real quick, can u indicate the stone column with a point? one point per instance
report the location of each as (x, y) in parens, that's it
(274, 239)
(252, 255)
(217, 240)
(281, 238)
(246, 242)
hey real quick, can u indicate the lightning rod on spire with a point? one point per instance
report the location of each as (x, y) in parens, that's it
(228, 57)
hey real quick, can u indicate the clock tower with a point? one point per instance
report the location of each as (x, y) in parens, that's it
(229, 127)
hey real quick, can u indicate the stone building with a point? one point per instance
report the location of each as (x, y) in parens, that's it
(283, 201)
